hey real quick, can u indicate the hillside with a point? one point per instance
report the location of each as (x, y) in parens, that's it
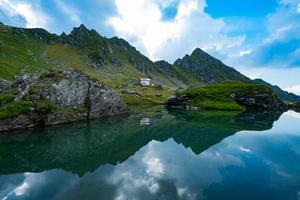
(112, 61)
(228, 96)
(284, 95)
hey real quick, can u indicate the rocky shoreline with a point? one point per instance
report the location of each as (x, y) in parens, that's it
(55, 97)
(255, 100)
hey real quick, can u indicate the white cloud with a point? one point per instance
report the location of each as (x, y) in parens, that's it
(293, 114)
(68, 10)
(245, 150)
(31, 14)
(294, 89)
(154, 166)
(158, 39)
(298, 8)
(245, 52)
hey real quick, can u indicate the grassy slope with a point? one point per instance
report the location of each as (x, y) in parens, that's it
(21, 53)
(217, 97)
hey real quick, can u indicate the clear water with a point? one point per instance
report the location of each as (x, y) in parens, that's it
(156, 155)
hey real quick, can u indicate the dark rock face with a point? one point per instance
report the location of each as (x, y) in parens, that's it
(259, 101)
(208, 69)
(165, 67)
(70, 96)
(3, 85)
(178, 103)
(294, 106)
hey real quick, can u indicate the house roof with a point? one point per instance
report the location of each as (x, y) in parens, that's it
(145, 78)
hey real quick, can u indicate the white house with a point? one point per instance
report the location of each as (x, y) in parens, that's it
(145, 81)
(145, 122)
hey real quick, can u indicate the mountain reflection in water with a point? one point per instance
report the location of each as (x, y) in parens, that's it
(172, 158)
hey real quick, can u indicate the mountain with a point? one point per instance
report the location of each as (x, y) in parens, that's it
(112, 61)
(209, 69)
(284, 95)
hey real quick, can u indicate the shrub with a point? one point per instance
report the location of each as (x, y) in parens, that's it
(34, 89)
(44, 106)
(6, 98)
(14, 109)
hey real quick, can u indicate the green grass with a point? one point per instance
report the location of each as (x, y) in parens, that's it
(6, 98)
(217, 96)
(14, 109)
(22, 53)
(19, 54)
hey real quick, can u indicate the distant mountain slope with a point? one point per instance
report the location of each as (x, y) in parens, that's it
(113, 61)
(284, 95)
(209, 69)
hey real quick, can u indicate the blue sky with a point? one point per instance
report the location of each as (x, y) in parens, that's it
(261, 38)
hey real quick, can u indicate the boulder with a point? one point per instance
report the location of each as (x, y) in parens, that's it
(58, 97)
(177, 103)
(259, 101)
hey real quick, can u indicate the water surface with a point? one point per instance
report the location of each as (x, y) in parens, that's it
(156, 154)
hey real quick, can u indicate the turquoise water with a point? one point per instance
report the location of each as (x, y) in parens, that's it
(156, 155)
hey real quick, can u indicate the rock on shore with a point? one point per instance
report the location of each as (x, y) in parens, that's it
(55, 98)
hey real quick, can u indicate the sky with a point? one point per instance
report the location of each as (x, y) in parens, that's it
(260, 38)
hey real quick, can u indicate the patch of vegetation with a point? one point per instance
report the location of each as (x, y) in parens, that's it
(6, 98)
(217, 96)
(34, 89)
(44, 106)
(14, 109)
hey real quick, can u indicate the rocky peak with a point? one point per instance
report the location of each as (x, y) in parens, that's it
(81, 30)
(199, 52)
(1, 23)
(209, 69)
(121, 43)
(64, 35)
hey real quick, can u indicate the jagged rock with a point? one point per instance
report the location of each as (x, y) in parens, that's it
(3, 85)
(61, 97)
(259, 101)
(208, 69)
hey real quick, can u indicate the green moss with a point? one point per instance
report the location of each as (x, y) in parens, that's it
(45, 106)
(34, 89)
(14, 109)
(6, 98)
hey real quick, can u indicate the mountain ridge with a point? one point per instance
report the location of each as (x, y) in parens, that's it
(112, 60)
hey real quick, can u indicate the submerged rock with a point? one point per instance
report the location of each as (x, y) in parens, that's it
(56, 98)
